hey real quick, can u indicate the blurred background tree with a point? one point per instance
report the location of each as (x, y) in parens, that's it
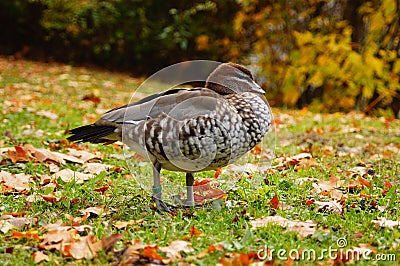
(327, 55)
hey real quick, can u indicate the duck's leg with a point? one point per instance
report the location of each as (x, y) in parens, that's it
(157, 189)
(189, 190)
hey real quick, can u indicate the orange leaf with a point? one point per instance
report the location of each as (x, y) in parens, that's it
(101, 189)
(202, 182)
(256, 150)
(310, 201)
(274, 202)
(194, 232)
(151, 252)
(19, 155)
(15, 214)
(92, 98)
(39, 256)
(386, 187)
(211, 248)
(364, 182)
(217, 172)
(29, 234)
(51, 198)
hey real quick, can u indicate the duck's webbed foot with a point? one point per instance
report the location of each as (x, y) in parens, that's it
(157, 197)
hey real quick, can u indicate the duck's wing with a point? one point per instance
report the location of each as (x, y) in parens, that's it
(178, 103)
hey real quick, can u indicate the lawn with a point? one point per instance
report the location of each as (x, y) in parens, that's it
(322, 189)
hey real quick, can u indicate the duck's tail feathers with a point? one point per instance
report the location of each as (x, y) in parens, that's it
(95, 134)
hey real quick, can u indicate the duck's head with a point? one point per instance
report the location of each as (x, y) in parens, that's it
(230, 78)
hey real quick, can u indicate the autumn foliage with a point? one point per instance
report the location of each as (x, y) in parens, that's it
(328, 55)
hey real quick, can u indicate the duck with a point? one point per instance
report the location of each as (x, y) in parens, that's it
(188, 130)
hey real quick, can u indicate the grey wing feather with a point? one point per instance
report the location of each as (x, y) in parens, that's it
(181, 104)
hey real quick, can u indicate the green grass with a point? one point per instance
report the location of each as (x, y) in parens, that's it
(338, 142)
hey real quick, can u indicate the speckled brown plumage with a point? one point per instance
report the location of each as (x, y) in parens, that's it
(189, 130)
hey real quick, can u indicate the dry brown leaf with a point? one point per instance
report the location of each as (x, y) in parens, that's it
(42, 155)
(109, 242)
(47, 114)
(67, 175)
(173, 251)
(330, 206)
(211, 248)
(28, 152)
(302, 160)
(306, 164)
(8, 222)
(39, 256)
(53, 168)
(85, 247)
(383, 222)
(304, 229)
(97, 211)
(84, 155)
(203, 191)
(59, 235)
(96, 168)
(17, 182)
(18, 154)
(59, 226)
(124, 224)
(329, 187)
(301, 156)
(121, 156)
(240, 258)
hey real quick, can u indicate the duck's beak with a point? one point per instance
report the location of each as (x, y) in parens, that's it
(257, 88)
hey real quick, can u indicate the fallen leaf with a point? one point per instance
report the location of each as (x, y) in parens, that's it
(330, 206)
(306, 164)
(364, 182)
(84, 155)
(274, 202)
(47, 114)
(386, 187)
(96, 168)
(84, 248)
(17, 182)
(18, 154)
(301, 156)
(51, 197)
(109, 242)
(67, 175)
(218, 247)
(204, 191)
(329, 188)
(58, 235)
(383, 222)
(302, 160)
(8, 222)
(304, 229)
(173, 251)
(39, 256)
(218, 171)
(28, 234)
(28, 152)
(237, 258)
(192, 232)
(124, 224)
(151, 253)
(93, 211)
(102, 189)
(92, 98)
(256, 150)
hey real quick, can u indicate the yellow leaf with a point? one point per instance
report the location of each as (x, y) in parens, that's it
(317, 79)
